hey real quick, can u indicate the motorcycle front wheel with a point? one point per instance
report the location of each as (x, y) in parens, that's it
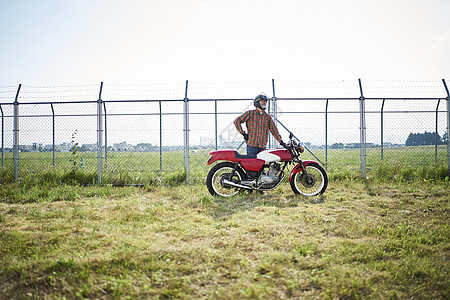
(313, 182)
(216, 176)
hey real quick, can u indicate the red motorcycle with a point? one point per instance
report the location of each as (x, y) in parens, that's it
(265, 172)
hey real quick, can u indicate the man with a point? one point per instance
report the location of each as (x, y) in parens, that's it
(258, 125)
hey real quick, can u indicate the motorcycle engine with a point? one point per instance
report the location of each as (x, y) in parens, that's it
(270, 177)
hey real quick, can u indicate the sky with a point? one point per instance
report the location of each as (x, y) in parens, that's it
(225, 48)
(136, 41)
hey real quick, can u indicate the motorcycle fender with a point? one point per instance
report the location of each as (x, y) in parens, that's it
(298, 168)
(222, 155)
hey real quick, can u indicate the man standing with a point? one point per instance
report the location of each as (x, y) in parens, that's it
(258, 125)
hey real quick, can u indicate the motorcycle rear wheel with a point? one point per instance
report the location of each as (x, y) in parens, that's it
(221, 171)
(313, 183)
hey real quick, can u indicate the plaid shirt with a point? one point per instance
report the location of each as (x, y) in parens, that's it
(258, 125)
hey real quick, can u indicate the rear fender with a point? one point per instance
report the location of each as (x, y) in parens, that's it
(298, 168)
(222, 155)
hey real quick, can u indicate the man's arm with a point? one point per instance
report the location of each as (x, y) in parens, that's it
(241, 119)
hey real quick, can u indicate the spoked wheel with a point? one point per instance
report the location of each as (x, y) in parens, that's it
(216, 176)
(313, 183)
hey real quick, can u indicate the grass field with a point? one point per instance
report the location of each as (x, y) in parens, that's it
(360, 240)
(403, 163)
(63, 237)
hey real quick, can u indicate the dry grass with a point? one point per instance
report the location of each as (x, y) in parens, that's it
(357, 241)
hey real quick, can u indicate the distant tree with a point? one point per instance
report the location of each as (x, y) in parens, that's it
(445, 139)
(426, 138)
(337, 146)
(144, 145)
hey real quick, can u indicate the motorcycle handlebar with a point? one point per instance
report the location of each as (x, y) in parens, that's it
(294, 145)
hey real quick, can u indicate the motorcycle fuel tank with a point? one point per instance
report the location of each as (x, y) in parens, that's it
(274, 155)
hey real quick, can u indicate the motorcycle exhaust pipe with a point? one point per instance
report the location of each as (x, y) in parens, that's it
(233, 184)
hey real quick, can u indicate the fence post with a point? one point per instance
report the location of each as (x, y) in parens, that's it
(186, 132)
(160, 136)
(106, 138)
(53, 132)
(274, 113)
(436, 134)
(99, 136)
(326, 135)
(3, 136)
(448, 127)
(382, 130)
(215, 119)
(16, 135)
(362, 131)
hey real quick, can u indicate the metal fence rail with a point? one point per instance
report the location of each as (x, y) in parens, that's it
(115, 135)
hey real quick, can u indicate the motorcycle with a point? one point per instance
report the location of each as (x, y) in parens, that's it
(265, 172)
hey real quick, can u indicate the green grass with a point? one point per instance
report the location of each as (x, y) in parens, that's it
(119, 168)
(360, 240)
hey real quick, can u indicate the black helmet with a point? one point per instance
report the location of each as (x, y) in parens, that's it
(260, 97)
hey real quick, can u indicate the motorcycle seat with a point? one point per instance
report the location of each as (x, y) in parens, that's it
(243, 156)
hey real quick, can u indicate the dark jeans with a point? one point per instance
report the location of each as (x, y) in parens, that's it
(252, 151)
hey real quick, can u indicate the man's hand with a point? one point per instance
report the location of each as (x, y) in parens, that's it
(283, 144)
(245, 136)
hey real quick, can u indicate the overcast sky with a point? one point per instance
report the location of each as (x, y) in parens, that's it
(76, 42)
(137, 41)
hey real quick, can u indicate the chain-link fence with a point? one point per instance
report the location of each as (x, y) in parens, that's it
(136, 133)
